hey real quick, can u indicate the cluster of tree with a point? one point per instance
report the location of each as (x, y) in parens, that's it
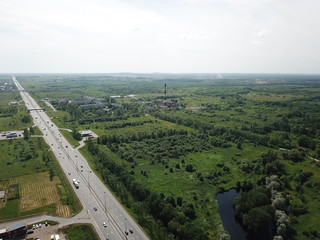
(305, 141)
(227, 134)
(183, 120)
(281, 140)
(269, 164)
(279, 203)
(24, 151)
(155, 150)
(128, 124)
(87, 116)
(26, 118)
(294, 156)
(76, 135)
(256, 212)
(265, 202)
(75, 111)
(140, 136)
(8, 111)
(175, 214)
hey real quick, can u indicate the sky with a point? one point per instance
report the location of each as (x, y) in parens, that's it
(165, 36)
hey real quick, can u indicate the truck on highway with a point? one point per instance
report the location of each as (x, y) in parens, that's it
(75, 183)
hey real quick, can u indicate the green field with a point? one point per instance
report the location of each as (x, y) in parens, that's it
(166, 165)
(28, 165)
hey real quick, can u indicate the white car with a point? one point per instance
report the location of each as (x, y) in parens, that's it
(104, 224)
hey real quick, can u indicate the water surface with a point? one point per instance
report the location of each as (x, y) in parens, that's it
(227, 215)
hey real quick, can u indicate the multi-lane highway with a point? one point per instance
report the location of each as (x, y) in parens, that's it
(99, 202)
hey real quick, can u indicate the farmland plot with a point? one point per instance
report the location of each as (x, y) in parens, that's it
(36, 191)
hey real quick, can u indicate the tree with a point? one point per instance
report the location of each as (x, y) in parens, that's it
(258, 220)
(318, 152)
(31, 130)
(224, 236)
(279, 203)
(76, 135)
(190, 212)
(189, 168)
(307, 142)
(26, 119)
(268, 157)
(25, 134)
(282, 229)
(277, 238)
(256, 197)
(51, 174)
(167, 214)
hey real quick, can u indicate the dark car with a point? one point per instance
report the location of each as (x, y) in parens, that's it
(95, 209)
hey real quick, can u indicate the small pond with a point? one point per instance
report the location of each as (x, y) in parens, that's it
(227, 215)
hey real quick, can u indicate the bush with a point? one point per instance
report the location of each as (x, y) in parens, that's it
(189, 168)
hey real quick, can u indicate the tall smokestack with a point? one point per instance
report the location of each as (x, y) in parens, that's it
(165, 91)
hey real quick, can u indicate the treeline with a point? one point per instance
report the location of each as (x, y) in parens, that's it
(119, 112)
(107, 140)
(158, 145)
(8, 111)
(225, 133)
(305, 127)
(128, 124)
(172, 217)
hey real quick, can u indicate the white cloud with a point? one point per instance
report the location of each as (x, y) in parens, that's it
(197, 36)
(256, 42)
(263, 32)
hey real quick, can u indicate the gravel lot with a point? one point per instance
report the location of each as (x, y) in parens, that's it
(44, 233)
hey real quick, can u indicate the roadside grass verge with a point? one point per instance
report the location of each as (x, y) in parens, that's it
(80, 232)
(70, 139)
(11, 210)
(37, 131)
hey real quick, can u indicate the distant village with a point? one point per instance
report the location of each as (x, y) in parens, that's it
(7, 87)
(89, 102)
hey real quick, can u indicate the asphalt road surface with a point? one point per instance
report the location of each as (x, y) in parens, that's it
(96, 199)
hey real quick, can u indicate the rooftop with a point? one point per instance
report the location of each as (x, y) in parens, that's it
(16, 225)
